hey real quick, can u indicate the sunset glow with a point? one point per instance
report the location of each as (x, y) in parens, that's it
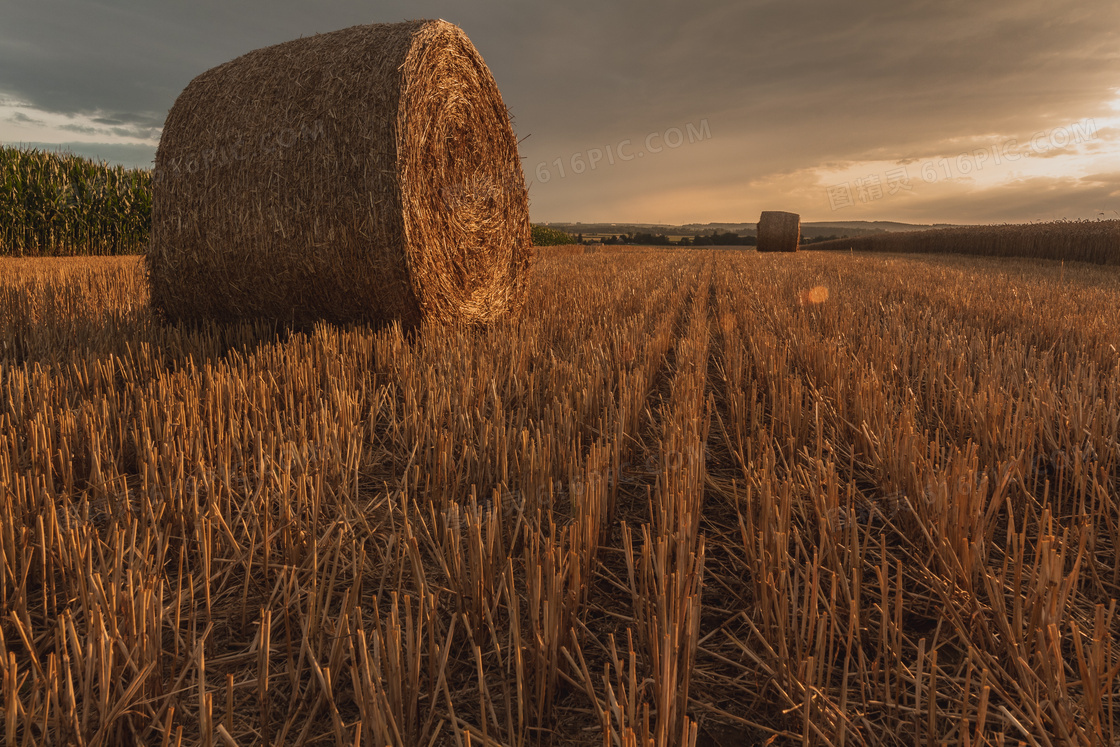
(978, 113)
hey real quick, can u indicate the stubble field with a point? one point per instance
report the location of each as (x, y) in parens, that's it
(719, 498)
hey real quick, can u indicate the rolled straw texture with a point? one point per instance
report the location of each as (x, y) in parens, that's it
(779, 231)
(368, 174)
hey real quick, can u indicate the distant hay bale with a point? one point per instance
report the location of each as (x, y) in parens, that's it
(778, 231)
(368, 174)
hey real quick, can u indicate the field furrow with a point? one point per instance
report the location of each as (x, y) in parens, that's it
(685, 497)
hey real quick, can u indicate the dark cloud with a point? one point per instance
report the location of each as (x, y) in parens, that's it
(1109, 178)
(21, 118)
(784, 84)
(1058, 152)
(82, 129)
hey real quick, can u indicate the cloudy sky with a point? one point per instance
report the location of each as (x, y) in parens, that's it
(919, 111)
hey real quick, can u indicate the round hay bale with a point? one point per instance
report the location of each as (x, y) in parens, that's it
(778, 231)
(368, 174)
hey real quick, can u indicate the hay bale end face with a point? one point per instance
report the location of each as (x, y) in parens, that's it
(778, 231)
(368, 174)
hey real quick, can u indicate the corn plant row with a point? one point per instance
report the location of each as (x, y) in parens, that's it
(54, 204)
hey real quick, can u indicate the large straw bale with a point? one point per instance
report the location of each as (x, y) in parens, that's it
(364, 174)
(778, 231)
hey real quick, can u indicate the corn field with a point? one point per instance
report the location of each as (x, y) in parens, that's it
(687, 498)
(1096, 241)
(59, 205)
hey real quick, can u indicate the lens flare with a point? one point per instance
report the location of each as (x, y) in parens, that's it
(815, 295)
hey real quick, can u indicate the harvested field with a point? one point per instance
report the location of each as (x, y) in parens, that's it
(687, 496)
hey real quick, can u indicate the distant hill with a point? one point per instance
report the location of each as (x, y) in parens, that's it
(851, 228)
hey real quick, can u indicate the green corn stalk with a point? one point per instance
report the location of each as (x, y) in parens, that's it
(55, 204)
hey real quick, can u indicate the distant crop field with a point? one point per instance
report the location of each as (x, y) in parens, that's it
(1097, 241)
(688, 497)
(55, 204)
